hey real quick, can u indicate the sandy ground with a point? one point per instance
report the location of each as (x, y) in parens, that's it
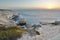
(48, 32)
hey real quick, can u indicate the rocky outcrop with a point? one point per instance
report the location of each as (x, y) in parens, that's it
(5, 17)
(8, 27)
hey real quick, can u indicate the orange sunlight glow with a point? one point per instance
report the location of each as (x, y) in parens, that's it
(48, 6)
(52, 6)
(41, 6)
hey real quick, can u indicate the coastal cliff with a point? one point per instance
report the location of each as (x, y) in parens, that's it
(8, 28)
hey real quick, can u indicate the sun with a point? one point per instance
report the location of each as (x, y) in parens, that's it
(50, 6)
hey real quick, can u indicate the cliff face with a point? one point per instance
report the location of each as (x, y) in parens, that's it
(5, 17)
(7, 13)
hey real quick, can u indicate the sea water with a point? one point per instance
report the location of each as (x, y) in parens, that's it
(35, 16)
(38, 15)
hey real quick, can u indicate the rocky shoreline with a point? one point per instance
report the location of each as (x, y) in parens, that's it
(10, 30)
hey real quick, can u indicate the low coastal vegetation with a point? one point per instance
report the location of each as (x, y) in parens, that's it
(10, 33)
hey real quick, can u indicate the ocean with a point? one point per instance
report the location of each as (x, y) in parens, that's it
(35, 16)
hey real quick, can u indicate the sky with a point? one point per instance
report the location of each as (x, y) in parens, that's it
(49, 4)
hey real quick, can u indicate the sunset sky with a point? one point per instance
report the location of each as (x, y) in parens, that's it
(45, 4)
